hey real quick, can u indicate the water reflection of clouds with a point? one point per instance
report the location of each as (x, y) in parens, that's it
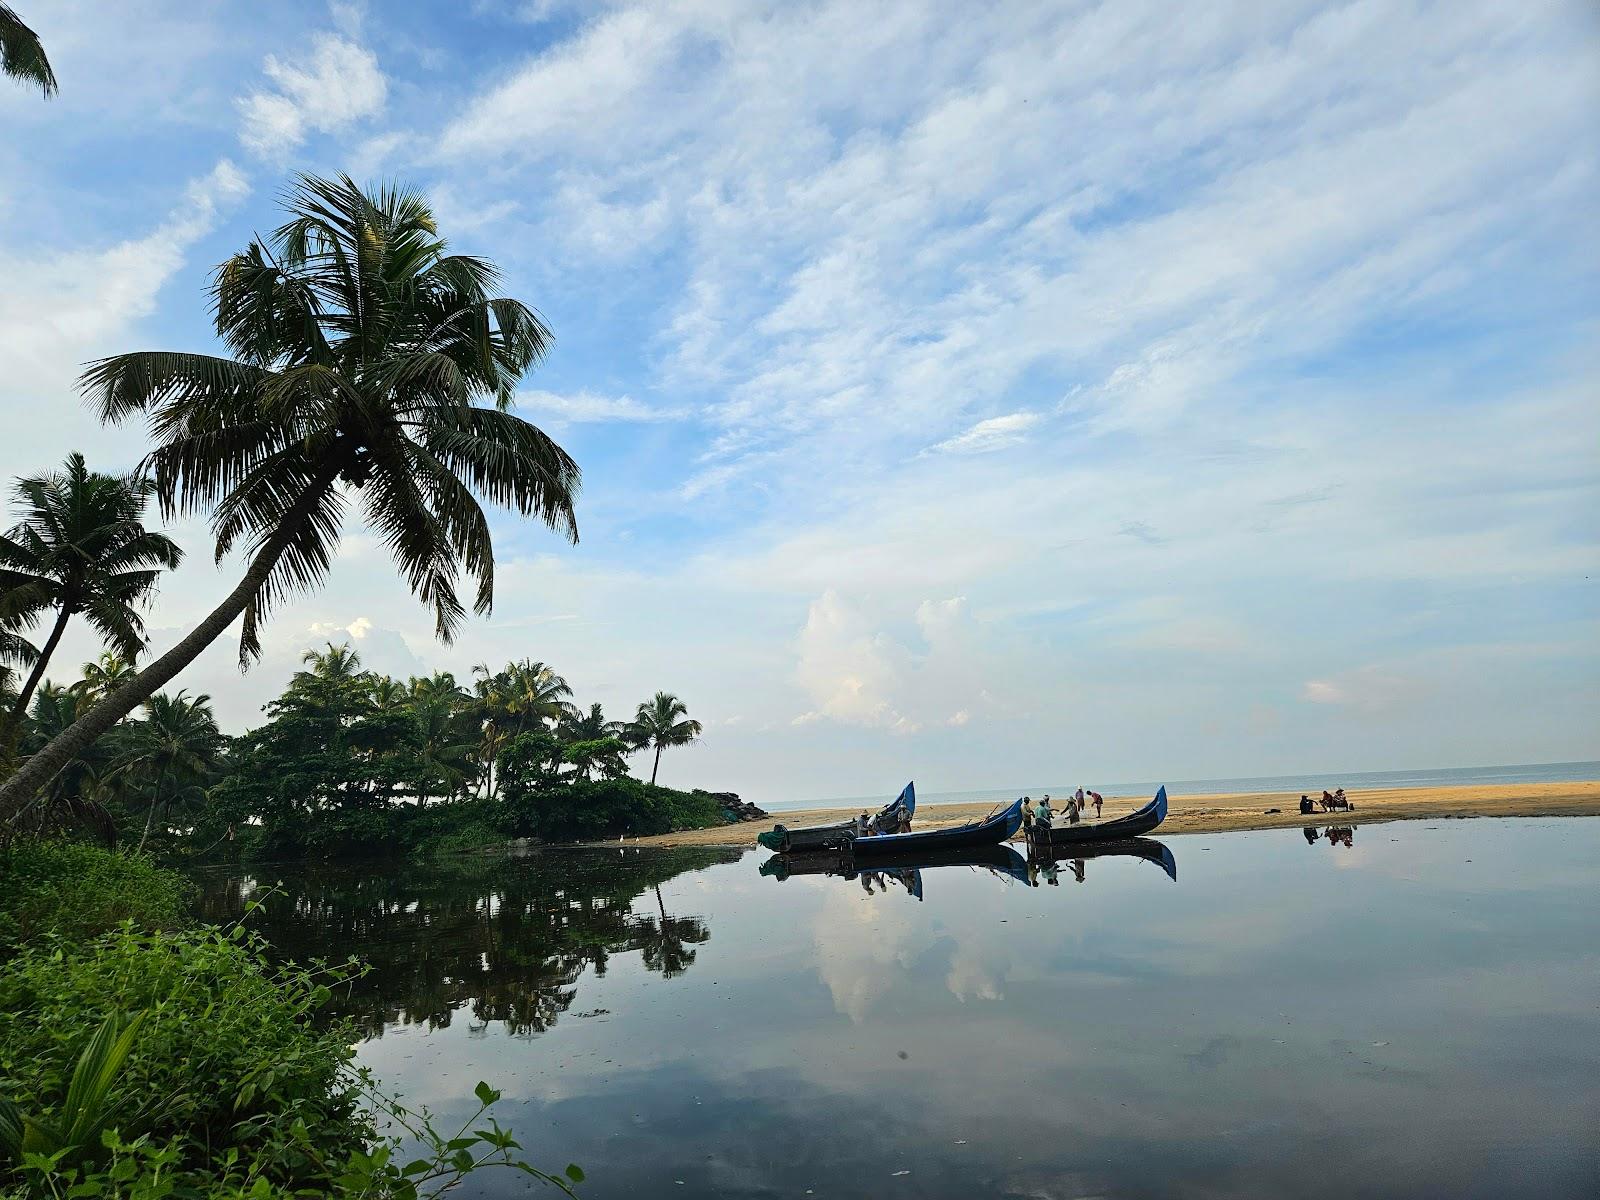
(1273, 1010)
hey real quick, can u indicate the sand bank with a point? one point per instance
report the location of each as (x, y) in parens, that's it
(1214, 814)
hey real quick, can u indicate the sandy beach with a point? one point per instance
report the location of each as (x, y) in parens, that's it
(1219, 813)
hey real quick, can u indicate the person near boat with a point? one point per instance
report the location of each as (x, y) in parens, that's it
(1027, 816)
(1043, 817)
(1097, 800)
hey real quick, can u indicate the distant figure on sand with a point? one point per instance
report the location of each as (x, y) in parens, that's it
(1074, 810)
(1306, 806)
(1327, 800)
(1097, 800)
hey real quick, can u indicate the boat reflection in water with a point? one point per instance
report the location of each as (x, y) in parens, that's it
(886, 872)
(1046, 869)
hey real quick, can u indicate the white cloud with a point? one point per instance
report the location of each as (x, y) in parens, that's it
(990, 434)
(61, 307)
(583, 407)
(335, 85)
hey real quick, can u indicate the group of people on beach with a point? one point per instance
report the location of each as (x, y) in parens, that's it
(892, 820)
(1044, 817)
(1330, 801)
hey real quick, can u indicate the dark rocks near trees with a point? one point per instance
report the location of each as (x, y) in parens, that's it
(737, 810)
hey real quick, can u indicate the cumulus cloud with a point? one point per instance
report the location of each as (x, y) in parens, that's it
(333, 86)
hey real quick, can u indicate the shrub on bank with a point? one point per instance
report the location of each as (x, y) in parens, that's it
(608, 807)
(207, 1076)
(80, 891)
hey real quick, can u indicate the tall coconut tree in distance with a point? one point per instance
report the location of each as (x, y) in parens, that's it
(22, 54)
(368, 365)
(80, 549)
(661, 722)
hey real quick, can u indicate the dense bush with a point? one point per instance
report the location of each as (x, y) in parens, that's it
(228, 1088)
(606, 807)
(227, 1054)
(79, 891)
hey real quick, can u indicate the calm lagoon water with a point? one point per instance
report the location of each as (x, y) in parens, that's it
(1416, 1013)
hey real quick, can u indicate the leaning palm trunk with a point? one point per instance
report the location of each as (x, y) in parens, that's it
(20, 708)
(17, 791)
(366, 356)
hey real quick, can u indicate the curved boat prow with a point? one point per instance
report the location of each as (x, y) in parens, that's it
(908, 797)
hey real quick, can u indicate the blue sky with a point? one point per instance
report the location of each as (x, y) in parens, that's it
(1054, 393)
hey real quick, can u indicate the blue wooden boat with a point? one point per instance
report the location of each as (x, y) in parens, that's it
(831, 837)
(1001, 827)
(1130, 826)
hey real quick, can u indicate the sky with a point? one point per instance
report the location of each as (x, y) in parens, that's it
(986, 395)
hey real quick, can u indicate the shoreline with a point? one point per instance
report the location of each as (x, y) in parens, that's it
(1225, 812)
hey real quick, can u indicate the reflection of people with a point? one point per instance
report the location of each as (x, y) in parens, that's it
(1311, 834)
(1077, 868)
(1050, 871)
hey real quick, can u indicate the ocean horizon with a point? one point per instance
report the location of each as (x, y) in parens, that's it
(1307, 781)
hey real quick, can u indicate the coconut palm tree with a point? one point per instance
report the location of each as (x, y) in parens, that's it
(103, 676)
(15, 651)
(72, 796)
(21, 53)
(81, 548)
(526, 694)
(173, 750)
(338, 662)
(662, 722)
(579, 726)
(388, 695)
(368, 364)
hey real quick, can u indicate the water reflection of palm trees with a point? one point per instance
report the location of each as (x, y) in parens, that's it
(503, 941)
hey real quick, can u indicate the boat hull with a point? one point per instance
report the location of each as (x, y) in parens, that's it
(811, 838)
(1001, 827)
(1131, 826)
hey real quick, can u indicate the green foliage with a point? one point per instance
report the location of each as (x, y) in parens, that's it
(79, 891)
(242, 1093)
(90, 1109)
(591, 809)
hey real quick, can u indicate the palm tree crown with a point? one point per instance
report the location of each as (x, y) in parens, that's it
(363, 356)
(173, 750)
(660, 722)
(368, 364)
(22, 54)
(81, 548)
